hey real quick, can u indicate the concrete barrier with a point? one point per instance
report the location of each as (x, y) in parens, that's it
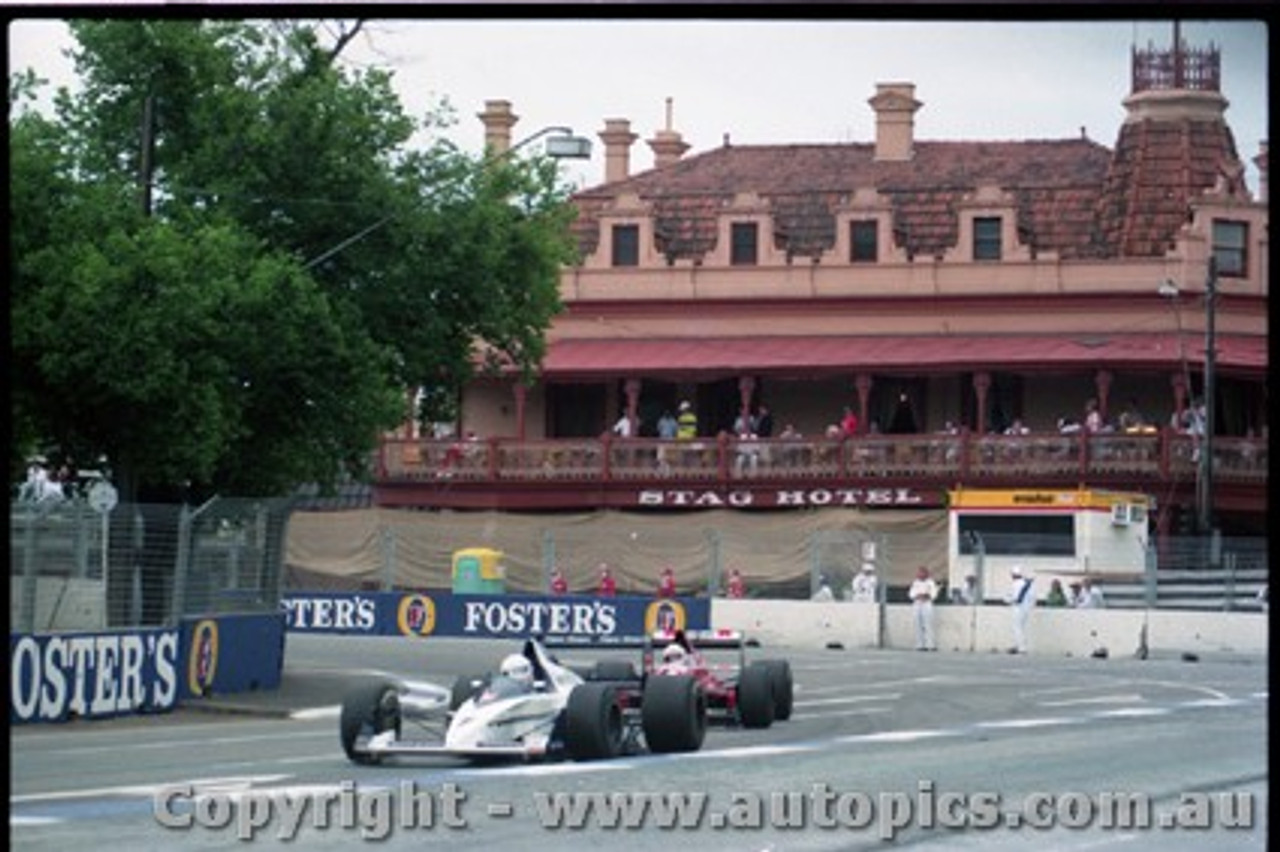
(988, 628)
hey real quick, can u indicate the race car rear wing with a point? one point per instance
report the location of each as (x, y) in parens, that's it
(698, 639)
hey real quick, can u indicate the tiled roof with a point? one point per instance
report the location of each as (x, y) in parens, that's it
(1158, 167)
(1056, 182)
(1072, 196)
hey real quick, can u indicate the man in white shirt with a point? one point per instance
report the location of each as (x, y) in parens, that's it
(922, 592)
(1022, 601)
(864, 585)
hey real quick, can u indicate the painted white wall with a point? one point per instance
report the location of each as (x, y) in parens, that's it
(988, 629)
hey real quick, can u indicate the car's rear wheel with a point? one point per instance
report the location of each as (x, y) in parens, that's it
(783, 688)
(593, 722)
(466, 686)
(673, 713)
(368, 710)
(755, 696)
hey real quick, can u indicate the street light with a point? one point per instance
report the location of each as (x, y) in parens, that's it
(563, 145)
(1204, 478)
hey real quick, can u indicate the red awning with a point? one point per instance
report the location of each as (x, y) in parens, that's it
(802, 355)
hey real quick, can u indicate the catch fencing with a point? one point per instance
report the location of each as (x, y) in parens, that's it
(136, 565)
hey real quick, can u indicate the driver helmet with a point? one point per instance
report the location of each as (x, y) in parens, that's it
(673, 654)
(518, 668)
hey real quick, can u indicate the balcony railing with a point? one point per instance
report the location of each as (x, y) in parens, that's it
(965, 457)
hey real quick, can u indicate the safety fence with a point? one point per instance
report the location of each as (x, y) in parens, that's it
(134, 565)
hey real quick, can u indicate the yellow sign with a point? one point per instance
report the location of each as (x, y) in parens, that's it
(1040, 499)
(416, 615)
(202, 662)
(664, 616)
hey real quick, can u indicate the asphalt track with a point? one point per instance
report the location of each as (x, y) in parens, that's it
(886, 748)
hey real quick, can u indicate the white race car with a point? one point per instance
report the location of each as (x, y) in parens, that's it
(532, 708)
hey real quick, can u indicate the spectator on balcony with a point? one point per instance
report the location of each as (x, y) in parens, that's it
(1092, 417)
(1017, 427)
(686, 422)
(667, 583)
(608, 585)
(559, 585)
(1068, 425)
(744, 423)
(736, 587)
(764, 422)
(748, 454)
(848, 423)
(622, 428)
(903, 421)
(667, 426)
(1132, 419)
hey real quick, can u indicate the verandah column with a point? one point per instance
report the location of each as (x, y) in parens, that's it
(1103, 382)
(863, 382)
(981, 385)
(746, 387)
(520, 391)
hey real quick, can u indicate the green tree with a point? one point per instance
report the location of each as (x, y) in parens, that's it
(254, 319)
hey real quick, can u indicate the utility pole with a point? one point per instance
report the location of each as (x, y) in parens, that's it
(1205, 496)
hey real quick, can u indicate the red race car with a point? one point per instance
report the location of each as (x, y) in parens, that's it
(753, 694)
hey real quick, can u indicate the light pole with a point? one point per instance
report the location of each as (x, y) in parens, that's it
(1205, 495)
(563, 145)
(1204, 468)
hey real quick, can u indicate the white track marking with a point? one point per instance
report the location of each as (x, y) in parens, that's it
(1097, 699)
(1029, 723)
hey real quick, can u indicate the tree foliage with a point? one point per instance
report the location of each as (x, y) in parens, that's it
(255, 320)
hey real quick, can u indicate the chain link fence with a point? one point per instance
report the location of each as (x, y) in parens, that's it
(74, 568)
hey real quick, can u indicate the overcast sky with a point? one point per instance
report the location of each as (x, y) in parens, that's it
(775, 81)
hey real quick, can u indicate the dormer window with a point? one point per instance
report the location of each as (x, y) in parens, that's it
(986, 238)
(1230, 247)
(863, 241)
(626, 245)
(743, 244)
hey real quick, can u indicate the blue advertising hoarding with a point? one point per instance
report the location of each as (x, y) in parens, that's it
(60, 676)
(441, 613)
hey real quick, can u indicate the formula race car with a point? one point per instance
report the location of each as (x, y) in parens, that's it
(753, 694)
(531, 708)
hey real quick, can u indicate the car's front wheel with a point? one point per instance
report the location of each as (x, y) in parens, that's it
(368, 710)
(593, 722)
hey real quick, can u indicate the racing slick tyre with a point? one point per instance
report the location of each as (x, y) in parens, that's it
(673, 713)
(783, 688)
(368, 710)
(613, 670)
(756, 705)
(464, 687)
(593, 728)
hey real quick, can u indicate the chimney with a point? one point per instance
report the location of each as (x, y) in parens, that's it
(617, 138)
(895, 106)
(498, 120)
(666, 144)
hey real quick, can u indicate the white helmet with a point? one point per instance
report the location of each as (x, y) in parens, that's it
(673, 654)
(518, 668)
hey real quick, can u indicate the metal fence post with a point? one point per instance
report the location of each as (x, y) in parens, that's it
(181, 567)
(715, 571)
(548, 557)
(387, 538)
(1149, 587)
(27, 598)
